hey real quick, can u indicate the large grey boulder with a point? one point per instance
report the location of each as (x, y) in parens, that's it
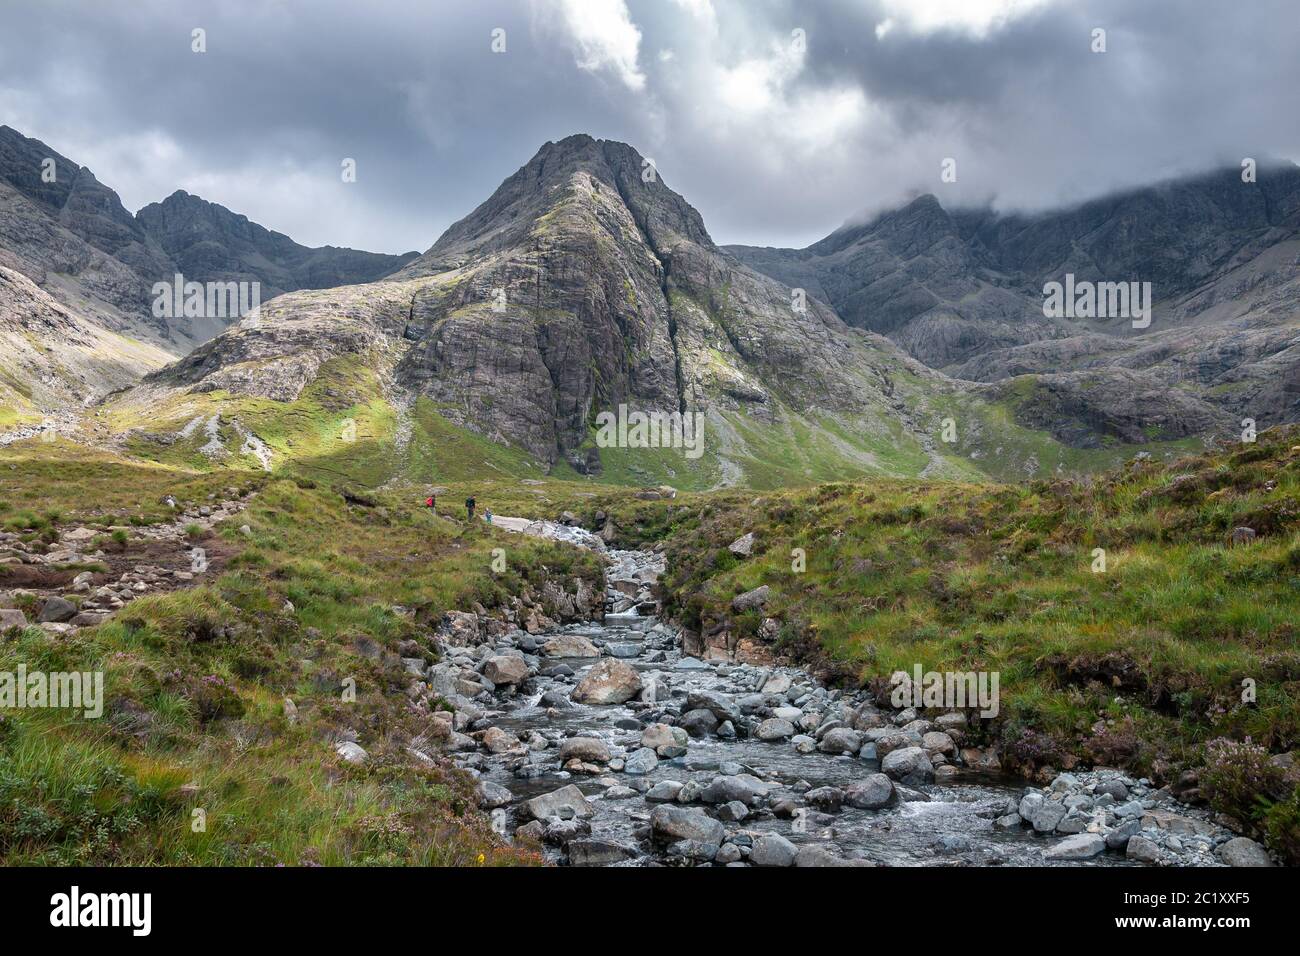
(910, 765)
(610, 681)
(567, 803)
(871, 793)
(1241, 851)
(670, 824)
(1081, 846)
(772, 849)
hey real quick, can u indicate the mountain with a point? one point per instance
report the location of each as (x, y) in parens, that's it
(582, 285)
(963, 291)
(71, 235)
(52, 359)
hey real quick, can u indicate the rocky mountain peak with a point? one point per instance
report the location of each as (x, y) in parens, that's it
(512, 212)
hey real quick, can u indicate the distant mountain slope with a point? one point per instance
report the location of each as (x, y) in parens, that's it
(52, 359)
(73, 237)
(963, 292)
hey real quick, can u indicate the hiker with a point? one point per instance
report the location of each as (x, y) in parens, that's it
(431, 503)
(469, 507)
(487, 515)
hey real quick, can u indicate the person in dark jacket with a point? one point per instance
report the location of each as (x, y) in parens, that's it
(469, 507)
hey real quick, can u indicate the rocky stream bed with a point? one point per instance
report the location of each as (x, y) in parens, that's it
(610, 746)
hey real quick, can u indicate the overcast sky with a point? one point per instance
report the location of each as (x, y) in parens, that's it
(776, 136)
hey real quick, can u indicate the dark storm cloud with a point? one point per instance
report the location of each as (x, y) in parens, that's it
(772, 145)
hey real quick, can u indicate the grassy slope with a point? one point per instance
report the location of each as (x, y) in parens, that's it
(195, 681)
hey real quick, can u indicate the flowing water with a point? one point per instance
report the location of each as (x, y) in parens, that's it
(954, 826)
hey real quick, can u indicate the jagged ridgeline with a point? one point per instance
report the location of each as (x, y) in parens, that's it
(583, 287)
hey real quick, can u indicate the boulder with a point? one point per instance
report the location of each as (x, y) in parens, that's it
(641, 762)
(589, 852)
(698, 722)
(1242, 852)
(669, 824)
(772, 849)
(610, 681)
(841, 740)
(567, 803)
(756, 598)
(11, 617)
(718, 704)
(586, 749)
(743, 546)
(57, 610)
(910, 765)
(505, 669)
(774, 728)
(871, 793)
(1081, 846)
(569, 645)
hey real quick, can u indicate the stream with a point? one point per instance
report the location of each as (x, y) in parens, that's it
(649, 794)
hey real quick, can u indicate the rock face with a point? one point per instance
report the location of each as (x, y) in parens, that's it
(73, 238)
(962, 292)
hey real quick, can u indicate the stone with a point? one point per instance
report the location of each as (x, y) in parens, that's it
(57, 610)
(587, 749)
(826, 798)
(665, 791)
(641, 762)
(870, 793)
(699, 722)
(1047, 816)
(841, 740)
(743, 546)
(1241, 851)
(590, 852)
(567, 803)
(499, 741)
(936, 741)
(756, 598)
(351, 751)
(1117, 839)
(718, 704)
(772, 849)
(1142, 850)
(1081, 846)
(910, 765)
(492, 795)
(609, 681)
(670, 824)
(504, 669)
(569, 645)
(733, 811)
(11, 617)
(774, 728)
(810, 855)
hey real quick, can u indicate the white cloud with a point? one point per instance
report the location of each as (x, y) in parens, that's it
(606, 38)
(976, 17)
